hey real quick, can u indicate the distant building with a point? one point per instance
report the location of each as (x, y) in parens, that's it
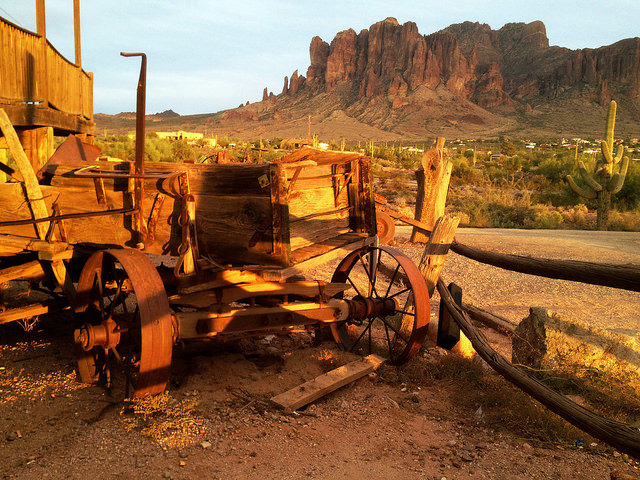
(295, 142)
(190, 137)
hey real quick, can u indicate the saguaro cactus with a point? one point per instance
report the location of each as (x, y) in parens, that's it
(604, 182)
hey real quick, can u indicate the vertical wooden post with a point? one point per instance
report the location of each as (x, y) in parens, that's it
(436, 249)
(433, 258)
(41, 22)
(76, 31)
(37, 144)
(433, 183)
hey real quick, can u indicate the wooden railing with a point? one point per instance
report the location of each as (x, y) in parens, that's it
(33, 71)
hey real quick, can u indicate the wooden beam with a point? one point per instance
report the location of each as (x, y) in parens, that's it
(41, 21)
(234, 293)
(626, 277)
(76, 31)
(31, 185)
(30, 311)
(26, 271)
(491, 320)
(320, 386)
(16, 243)
(436, 249)
(30, 115)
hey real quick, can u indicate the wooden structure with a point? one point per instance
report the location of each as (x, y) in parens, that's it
(151, 256)
(277, 214)
(41, 91)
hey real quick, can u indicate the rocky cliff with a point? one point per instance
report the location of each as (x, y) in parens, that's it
(390, 81)
(471, 60)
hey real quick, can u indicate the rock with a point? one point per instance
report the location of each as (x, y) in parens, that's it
(11, 436)
(546, 341)
(620, 475)
(274, 352)
(205, 444)
(265, 94)
(479, 415)
(414, 397)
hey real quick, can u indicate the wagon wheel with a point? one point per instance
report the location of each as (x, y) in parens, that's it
(386, 228)
(126, 322)
(383, 273)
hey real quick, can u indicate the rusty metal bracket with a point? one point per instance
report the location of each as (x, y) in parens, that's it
(100, 193)
(153, 218)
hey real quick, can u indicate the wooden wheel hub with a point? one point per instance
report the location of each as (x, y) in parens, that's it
(104, 335)
(361, 308)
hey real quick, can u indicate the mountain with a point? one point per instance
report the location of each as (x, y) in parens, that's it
(390, 81)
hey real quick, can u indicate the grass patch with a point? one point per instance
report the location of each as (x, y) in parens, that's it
(168, 421)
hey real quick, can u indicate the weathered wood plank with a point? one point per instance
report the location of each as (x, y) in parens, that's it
(320, 386)
(207, 179)
(306, 202)
(436, 249)
(30, 311)
(234, 293)
(30, 270)
(317, 229)
(311, 256)
(31, 185)
(14, 206)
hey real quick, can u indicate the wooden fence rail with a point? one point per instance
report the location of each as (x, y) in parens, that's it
(33, 71)
(626, 277)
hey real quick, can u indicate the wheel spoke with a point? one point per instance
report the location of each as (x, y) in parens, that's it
(406, 313)
(115, 298)
(375, 273)
(400, 292)
(395, 330)
(372, 287)
(354, 286)
(386, 331)
(368, 327)
(393, 279)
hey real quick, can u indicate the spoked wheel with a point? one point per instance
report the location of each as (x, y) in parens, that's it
(383, 276)
(126, 320)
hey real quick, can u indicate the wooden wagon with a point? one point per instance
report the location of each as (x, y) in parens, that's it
(153, 255)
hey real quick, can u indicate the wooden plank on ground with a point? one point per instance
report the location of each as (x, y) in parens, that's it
(320, 386)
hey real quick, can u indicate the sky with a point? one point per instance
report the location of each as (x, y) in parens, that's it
(209, 55)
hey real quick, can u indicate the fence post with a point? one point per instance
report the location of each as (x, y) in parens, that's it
(433, 183)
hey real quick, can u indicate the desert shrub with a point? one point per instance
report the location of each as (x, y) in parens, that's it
(554, 170)
(629, 197)
(166, 420)
(503, 215)
(182, 152)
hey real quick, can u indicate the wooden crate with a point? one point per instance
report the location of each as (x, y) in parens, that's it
(280, 214)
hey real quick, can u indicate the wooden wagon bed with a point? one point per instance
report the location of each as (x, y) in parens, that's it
(277, 214)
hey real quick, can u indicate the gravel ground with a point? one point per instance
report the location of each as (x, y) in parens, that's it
(511, 294)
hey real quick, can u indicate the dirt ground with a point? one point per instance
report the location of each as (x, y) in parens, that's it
(437, 417)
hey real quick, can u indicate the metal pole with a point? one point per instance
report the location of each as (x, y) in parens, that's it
(140, 136)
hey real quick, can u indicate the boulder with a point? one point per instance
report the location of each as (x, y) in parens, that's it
(546, 341)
